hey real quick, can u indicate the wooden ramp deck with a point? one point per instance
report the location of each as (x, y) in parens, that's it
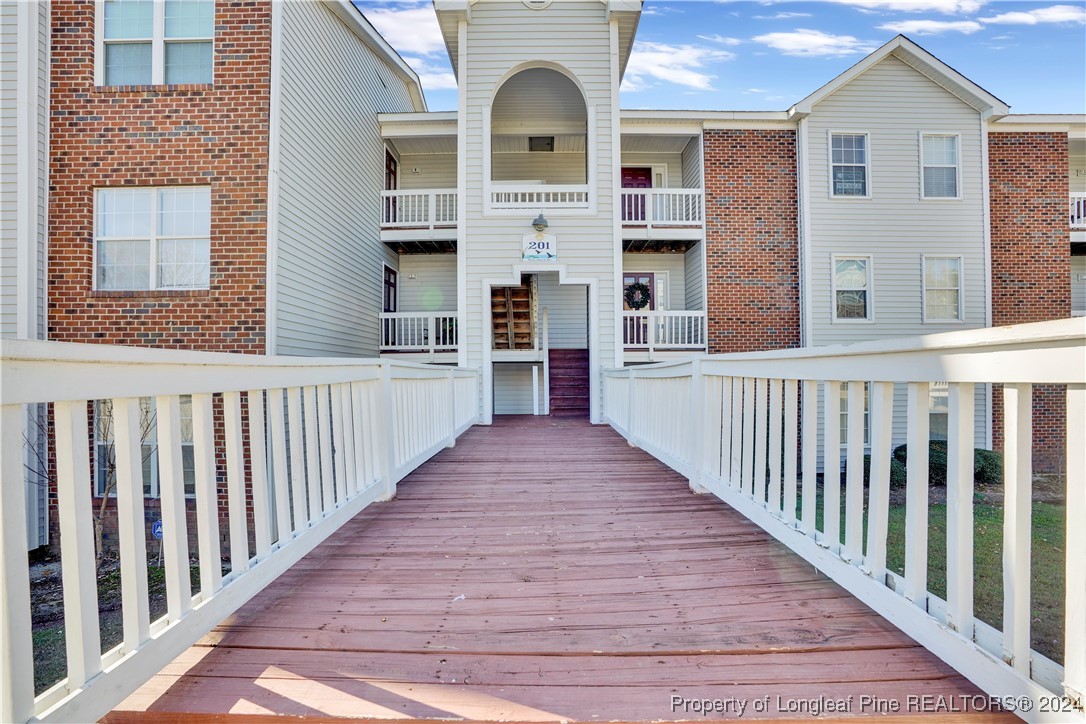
(544, 570)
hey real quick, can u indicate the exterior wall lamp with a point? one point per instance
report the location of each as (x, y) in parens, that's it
(540, 222)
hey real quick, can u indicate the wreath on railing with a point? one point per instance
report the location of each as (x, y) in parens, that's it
(638, 295)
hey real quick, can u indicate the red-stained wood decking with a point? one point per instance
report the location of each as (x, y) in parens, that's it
(544, 570)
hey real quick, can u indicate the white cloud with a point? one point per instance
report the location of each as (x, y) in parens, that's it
(808, 43)
(433, 76)
(678, 64)
(932, 27)
(1054, 14)
(947, 7)
(755, 90)
(782, 16)
(411, 29)
(715, 38)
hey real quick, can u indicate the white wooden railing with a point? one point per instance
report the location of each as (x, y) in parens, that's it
(655, 330)
(734, 424)
(528, 197)
(1078, 211)
(419, 332)
(661, 207)
(418, 208)
(306, 444)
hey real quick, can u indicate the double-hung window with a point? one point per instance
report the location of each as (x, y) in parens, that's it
(942, 288)
(153, 238)
(851, 287)
(938, 411)
(155, 42)
(940, 168)
(849, 165)
(105, 454)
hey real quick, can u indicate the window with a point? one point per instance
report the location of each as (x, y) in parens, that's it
(848, 172)
(938, 411)
(942, 288)
(940, 166)
(844, 413)
(105, 456)
(153, 238)
(155, 42)
(851, 288)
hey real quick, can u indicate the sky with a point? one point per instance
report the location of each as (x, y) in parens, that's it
(766, 55)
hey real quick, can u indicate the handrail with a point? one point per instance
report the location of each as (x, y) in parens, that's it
(307, 444)
(662, 207)
(418, 208)
(1077, 213)
(731, 424)
(430, 332)
(532, 196)
(655, 330)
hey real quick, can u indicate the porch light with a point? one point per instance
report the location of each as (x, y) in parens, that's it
(540, 222)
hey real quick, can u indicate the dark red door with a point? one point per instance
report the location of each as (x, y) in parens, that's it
(391, 182)
(633, 205)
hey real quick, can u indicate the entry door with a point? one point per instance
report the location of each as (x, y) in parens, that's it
(635, 330)
(633, 205)
(390, 289)
(392, 173)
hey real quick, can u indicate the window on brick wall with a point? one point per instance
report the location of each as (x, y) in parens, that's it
(105, 453)
(155, 42)
(942, 288)
(849, 165)
(153, 238)
(851, 288)
(940, 170)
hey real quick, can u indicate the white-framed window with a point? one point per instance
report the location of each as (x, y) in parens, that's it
(849, 165)
(940, 167)
(867, 413)
(152, 238)
(938, 410)
(154, 42)
(942, 280)
(105, 455)
(851, 288)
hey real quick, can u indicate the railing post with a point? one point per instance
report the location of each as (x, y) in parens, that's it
(652, 336)
(452, 408)
(17, 653)
(697, 427)
(631, 408)
(431, 334)
(386, 438)
(1074, 658)
(431, 210)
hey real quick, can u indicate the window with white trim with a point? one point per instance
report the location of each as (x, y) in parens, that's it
(940, 172)
(156, 42)
(942, 288)
(844, 413)
(851, 287)
(153, 238)
(848, 164)
(938, 410)
(105, 454)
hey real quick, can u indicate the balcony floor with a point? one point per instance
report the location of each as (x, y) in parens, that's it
(542, 570)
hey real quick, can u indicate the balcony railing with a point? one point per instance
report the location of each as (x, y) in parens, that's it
(659, 330)
(286, 450)
(418, 208)
(418, 332)
(662, 207)
(731, 423)
(1078, 211)
(537, 197)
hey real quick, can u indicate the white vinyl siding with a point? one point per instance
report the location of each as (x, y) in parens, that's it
(435, 171)
(1078, 285)
(332, 161)
(671, 267)
(554, 168)
(695, 277)
(567, 312)
(513, 388)
(433, 288)
(692, 165)
(9, 157)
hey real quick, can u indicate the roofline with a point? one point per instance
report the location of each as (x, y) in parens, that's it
(994, 106)
(361, 26)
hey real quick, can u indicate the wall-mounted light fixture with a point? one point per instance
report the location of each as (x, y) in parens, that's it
(540, 222)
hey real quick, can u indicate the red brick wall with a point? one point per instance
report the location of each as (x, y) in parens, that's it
(752, 254)
(1031, 262)
(214, 135)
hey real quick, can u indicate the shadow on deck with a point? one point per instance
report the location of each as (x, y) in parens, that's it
(543, 570)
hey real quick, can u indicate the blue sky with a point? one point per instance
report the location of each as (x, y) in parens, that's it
(742, 55)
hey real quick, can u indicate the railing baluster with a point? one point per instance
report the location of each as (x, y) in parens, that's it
(207, 495)
(340, 446)
(131, 528)
(854, 476)
(916, 496)
(711, 437)
(790, 444)
(277, 437)
(297, 458)
(258, 466)
(959, 508)
(235, 483)
(17, 651)
(761, 429)
(775, 406)
(1017, 514)
(831, 465)
(324, 427)
(350, 424)
(726, 429)
(809, 450)
(881, 422)
(747, 462)
(1074, 664)
(312, 454)
(171, 482)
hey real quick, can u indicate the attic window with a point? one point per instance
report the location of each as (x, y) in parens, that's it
(541, 143)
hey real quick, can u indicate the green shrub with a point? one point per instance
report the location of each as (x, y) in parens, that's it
(936, 460)
(897, 472)
(987, 467)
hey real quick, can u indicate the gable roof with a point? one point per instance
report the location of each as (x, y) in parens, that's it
(924, 63)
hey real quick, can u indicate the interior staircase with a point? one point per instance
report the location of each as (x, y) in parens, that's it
(569, 382)
(511, 315)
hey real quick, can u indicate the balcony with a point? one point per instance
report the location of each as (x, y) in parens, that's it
(662, 213)
(1077, 213)
(419, 215)
(525, 197)
(648, 336)
(419, 336)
